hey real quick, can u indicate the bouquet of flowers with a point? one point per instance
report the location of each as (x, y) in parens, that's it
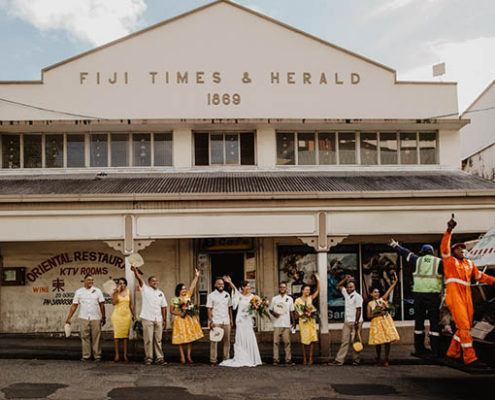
(259, 306)
(187, 306)
(306, 312)
(381, 307)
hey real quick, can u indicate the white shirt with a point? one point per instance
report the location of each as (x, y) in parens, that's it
(89, 303)
(352, 301)
(283, 321)
(152, 302)
(219, 304)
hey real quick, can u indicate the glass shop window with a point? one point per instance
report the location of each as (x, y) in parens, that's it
(224, 148)
(75, 151)
(162, 143)
(141, 144)
(99, 150)
(54, 151)
(388, 148)
(326, 147)
(427, 147)
(347, 147)
(369, 148)
(408, 148)
(379, 263)
(32, 151)
(11, 151)
(306, 148)
(119, 149)
(285, 148)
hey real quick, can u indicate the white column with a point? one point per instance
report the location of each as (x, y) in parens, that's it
(182, 144)
(322, 272)
(266, 145)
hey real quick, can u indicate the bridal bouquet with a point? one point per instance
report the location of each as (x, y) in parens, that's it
(187, 306)
(305, 312)
(259, 306)
(381, 307)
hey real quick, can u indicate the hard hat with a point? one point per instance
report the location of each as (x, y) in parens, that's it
(427, 248)
(459, 245)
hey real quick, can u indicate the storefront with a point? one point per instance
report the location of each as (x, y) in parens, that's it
(267, 163)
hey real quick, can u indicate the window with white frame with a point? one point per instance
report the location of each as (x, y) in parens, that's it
(224, 148)
(356, 148)
(79, 150)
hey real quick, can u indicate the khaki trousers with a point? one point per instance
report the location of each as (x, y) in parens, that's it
(284, 334)
(90, 338)
(348, 335)
(152, 337)
(226, 345)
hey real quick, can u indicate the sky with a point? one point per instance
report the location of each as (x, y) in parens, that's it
(409, 36)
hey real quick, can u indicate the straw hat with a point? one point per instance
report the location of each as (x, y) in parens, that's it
(216, 334)
(280, 308)
(136, 259)
(109, 286)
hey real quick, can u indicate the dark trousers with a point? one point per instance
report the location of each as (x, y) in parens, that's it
(426, 306)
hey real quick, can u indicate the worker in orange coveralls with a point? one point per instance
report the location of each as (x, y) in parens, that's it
(458, 272)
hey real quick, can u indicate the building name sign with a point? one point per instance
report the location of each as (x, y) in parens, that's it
(199, 78)
(76, 257)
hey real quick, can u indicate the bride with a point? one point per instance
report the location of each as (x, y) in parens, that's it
(246, 353)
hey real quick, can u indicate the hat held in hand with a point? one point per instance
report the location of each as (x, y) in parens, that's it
(216, 334)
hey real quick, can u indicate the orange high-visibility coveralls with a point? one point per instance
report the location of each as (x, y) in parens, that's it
(457, 274)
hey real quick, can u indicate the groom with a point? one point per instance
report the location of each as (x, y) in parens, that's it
(219, 306)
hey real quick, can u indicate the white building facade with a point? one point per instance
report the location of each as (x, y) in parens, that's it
(226, 140)
(478, 138)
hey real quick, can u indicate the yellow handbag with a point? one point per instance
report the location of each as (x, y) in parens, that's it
(357, 345)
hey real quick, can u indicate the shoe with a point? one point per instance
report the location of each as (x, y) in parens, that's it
(84, 359)
(147, 362)
(160, 362)
(477, 365)
(385, 364)
(97, 360)
(335, 362)
(275, 362)
(356, 363)
(213, 363)
(290, 363)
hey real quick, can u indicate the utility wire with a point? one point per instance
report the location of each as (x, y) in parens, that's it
(93, 117)
(49, 109)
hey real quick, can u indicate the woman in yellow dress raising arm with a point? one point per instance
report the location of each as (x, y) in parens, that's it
(186, 327)
(306, 312)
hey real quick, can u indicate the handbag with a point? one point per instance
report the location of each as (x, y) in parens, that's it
(358, 345)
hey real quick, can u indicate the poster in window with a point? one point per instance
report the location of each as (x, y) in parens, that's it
(297, 269)
(379, 266)
(340, 265)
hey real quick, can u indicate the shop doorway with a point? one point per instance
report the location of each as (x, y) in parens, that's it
(231, 264)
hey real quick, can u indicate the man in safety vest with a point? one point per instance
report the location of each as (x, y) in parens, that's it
(427, 289)
(458, 272)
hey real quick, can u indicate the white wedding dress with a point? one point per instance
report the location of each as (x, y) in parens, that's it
(246, 353)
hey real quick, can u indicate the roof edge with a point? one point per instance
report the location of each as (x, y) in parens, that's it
(487, 89)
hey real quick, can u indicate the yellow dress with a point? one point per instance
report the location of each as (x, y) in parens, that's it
(307, 328)
(382, 328)
(187, 329)
(121, 317)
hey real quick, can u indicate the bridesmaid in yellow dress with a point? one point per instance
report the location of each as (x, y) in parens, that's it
(382, 327)
(186, 328)
(121, 316)
(307, 325)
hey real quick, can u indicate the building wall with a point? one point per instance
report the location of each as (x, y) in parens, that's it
(39, 307)
(482, 163)
(481, 131)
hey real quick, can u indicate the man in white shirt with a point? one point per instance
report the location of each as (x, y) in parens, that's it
(153, 316)
(91, 317)
(353, 320)
(219, 306)
(282, 323)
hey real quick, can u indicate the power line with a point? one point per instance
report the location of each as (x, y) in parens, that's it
(100, 118)
(48, 109)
